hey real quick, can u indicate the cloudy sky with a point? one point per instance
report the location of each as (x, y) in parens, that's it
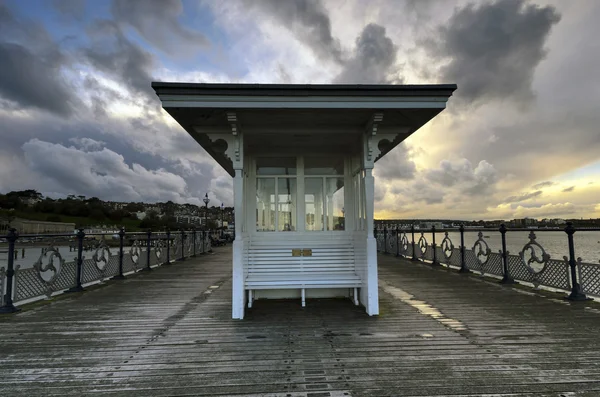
(520, 137)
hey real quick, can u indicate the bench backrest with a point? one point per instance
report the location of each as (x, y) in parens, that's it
(313, 257)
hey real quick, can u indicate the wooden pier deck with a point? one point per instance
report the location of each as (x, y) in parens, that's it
(169, 333)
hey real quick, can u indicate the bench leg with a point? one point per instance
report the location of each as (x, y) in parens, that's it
(303, 297)
(356, 296)
(249, 299)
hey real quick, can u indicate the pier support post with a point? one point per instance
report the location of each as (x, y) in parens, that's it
(120, 276)
(506, 278)
(414, 250)
(433, 246)
(168, 247)
(576, 290)
(78, 287)
(194, 242)
(148, 248)
(385, 239)
(463, 263)
(8, 306)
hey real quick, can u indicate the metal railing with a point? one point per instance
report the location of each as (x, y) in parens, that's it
(51, 274)
(532, 264)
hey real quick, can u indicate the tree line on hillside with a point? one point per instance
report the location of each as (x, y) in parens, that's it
(28, 203)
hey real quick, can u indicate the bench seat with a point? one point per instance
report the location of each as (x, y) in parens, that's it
(274, 267)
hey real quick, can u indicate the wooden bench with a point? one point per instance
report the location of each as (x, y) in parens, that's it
(306, 266)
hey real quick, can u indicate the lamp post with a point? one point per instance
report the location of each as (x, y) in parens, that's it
(222, 208)
(344, 218)
(206, 201)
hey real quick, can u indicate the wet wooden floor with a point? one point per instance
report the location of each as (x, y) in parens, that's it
(169, 333)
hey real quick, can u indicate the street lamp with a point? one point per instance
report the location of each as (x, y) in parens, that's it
(222, 208)
(206, 201)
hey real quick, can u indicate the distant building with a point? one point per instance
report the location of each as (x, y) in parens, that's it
(25, 226)
(525, 222)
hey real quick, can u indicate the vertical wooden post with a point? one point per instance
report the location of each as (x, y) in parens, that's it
(238, 295)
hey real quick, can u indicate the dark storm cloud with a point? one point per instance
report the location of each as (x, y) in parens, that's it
(543, 184)
(373, 60)
(466, 179)
(568, 189)
(309, 21)
(33, 81)
(31, 67)
(157, 21)
(396, 165)
(493, 49)
(112, 53)
(523, 197)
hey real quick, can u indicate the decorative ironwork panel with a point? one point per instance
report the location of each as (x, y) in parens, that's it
(207, 243)
(481, 252)
(455, 258)
(404, 244)
(135, 254)
(409, 250)
(494, 264)
(428, 253)
(555, 274)
(2, 282)
(176, 247)
(380, 241)
(472, 262)
(439, 254)
(142, 262)
(392, 242)
(188, 245)
(128, 265)
(29, 283)
(421, 246)
(199, 247)
(589, 275)
(447, 250)
(518, 269)
(160, 252)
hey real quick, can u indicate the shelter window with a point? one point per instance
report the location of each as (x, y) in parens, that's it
(276, 166)
(323, 165)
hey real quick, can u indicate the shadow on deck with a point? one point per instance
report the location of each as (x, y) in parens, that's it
(169, 332)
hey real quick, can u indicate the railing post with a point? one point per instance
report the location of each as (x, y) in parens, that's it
(168, 247)
(433, 246)
(148, 248)
(375, 237)
(397, 241)
(8, 306)
(414, 251)
(182, 245)
(120, 276)
(506, 278)
(385, 237)
(194, 241)
(78, 287)
(576, 291)
(463, 263)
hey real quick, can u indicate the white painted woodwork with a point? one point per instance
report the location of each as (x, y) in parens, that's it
(236, 124)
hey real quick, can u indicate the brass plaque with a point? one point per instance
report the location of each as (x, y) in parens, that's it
(296, 252)
(307, 252)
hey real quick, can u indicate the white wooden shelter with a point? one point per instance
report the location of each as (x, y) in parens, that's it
(301, 157)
